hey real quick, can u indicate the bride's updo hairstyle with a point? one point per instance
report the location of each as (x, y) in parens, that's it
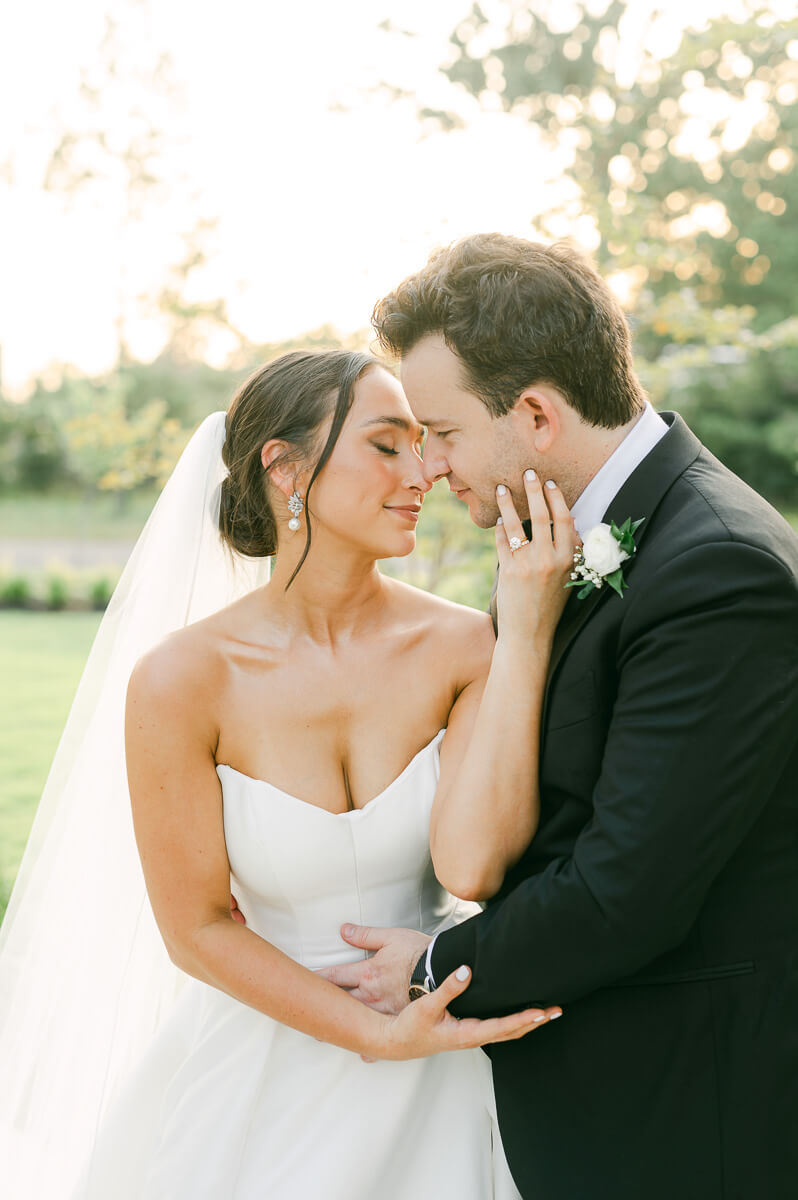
(289, 399)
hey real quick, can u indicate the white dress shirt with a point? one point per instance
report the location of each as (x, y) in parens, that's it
(591, 506)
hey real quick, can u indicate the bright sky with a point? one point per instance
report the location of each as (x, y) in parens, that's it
(319, 211)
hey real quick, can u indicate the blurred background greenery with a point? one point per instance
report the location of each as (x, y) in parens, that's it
(678, 172)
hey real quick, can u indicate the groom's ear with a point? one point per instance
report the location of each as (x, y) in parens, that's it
(537, 418)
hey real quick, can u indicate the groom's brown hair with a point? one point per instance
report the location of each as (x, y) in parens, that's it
(518, 313)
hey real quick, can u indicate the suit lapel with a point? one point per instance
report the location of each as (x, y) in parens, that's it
(575, 614)
(638, 497)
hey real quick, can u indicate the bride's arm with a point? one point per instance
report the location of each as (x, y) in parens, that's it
(486, 806)
(177, 813)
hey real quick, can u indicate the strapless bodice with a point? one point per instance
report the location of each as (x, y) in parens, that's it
(299, 872)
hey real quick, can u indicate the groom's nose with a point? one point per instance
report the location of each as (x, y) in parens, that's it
(434, 465)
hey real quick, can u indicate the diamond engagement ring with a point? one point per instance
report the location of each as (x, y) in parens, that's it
(516, 543)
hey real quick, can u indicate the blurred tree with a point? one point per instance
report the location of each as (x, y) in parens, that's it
(680, 158)
(114, 153)
(111, 450)
(188, 390)
(32, 444)
(739, 394)
(677, 156)
(127, 428)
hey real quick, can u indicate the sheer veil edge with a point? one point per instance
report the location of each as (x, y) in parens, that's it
(85, 981)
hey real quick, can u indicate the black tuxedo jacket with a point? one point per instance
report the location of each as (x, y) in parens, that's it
(658, 901)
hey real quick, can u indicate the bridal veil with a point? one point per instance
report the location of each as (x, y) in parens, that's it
(84, 978)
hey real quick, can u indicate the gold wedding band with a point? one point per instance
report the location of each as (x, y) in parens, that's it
(516, 543)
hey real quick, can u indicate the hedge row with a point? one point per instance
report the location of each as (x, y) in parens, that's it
(56, 589)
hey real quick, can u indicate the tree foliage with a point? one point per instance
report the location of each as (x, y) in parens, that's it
(126, 428)
(683, 160)
(678, 170)
(112, 449)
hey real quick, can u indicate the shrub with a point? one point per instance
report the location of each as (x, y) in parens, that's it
(16, 592)
(100, 592)
(56, 592)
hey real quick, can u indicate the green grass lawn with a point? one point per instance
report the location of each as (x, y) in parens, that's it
(41, 659)
(53, 515)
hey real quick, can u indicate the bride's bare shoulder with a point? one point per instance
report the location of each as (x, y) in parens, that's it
(453, 627)
(189, 662)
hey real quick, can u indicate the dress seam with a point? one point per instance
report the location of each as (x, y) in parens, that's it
(357, 877)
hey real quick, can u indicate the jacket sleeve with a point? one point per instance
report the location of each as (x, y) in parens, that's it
(704, 723)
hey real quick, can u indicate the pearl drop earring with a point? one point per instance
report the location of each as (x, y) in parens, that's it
(295, 506)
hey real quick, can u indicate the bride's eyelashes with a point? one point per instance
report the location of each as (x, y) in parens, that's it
(384, 449)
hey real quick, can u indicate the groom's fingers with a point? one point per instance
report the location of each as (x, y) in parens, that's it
(365, 937)
(345, 975)
(381, 1006)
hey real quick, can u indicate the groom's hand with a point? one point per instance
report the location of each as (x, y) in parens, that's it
(235, 911)
(382, 981)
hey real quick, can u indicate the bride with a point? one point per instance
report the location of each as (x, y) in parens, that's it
(289, 744)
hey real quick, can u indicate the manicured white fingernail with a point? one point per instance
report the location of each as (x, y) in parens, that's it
(500, 520)
(554, 1016)
(461, 973)
(530, 475)
(537, 1020)
(501, 490)
(550, 483)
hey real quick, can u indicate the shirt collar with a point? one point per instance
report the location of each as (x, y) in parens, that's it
(591, 506)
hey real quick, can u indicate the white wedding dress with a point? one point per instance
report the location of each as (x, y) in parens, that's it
(228, 1104)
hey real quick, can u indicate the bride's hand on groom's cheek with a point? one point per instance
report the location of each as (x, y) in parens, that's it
(533, 572)
(382, 981)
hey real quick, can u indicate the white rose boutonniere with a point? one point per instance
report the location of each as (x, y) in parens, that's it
(604, 550)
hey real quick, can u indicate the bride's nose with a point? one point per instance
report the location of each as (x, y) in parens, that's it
(417, 483)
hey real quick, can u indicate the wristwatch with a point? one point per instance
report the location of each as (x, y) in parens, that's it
(420, 982)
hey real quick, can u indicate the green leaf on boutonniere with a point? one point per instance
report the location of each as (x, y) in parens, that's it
(586, 588)
(624, 534)
(617, 581)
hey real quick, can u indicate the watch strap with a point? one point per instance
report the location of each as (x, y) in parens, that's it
(420, 982)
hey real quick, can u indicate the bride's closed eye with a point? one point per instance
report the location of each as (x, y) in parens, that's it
(384, 449)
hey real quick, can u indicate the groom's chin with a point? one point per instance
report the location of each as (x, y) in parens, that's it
(484, 517)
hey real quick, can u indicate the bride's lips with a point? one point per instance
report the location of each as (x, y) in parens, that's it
(409, 512)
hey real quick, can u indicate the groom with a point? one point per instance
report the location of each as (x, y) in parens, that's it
(658, 901)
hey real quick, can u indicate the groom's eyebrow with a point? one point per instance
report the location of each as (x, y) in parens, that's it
(398, 422)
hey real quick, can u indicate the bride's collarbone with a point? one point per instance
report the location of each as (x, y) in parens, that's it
(334, 731)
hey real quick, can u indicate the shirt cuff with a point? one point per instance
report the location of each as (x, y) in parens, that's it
(428, 963)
